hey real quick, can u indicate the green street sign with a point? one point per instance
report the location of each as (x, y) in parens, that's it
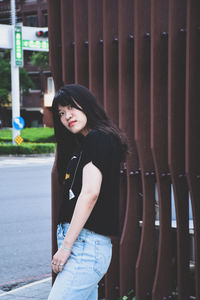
(18, 46)
(35, 45)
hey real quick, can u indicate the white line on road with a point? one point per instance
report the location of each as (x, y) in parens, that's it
(26, 286)
(25, 161)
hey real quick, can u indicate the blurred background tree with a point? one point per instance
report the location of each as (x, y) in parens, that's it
(5, 78)
(41, 59)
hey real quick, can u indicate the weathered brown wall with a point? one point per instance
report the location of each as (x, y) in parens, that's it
(141, 59)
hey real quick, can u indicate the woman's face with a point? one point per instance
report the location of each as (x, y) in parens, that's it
(73, 119)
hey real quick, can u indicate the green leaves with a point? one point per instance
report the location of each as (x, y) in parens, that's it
(41, 59)
(25, 81)
(27, 148)
(130, 293)
(5, 78)
(4, 96)
(31, 135)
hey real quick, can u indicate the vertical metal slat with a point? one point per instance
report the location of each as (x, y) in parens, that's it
(193, 124)
(176, 113)
(159, 144)
(95, 57)
(110, 68)
(55, 54)
(110, 58)
(54, 31)
(81, 41)
(95, 40)
(146, 256)
(67, 41)
(129, 242)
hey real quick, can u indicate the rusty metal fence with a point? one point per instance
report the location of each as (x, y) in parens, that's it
(141, 59)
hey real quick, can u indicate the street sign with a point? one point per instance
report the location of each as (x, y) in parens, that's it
(18, 46)
(18, 123)
(18, 140)
(35, 45)
(24, 38)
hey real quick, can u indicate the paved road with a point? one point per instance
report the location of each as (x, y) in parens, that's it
(25, 222)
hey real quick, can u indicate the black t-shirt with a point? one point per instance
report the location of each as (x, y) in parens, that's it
(103, 151)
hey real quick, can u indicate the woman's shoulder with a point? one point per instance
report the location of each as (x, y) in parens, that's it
(96, 135)
(99, 139)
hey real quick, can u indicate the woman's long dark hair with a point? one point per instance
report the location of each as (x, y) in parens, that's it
(96, 119)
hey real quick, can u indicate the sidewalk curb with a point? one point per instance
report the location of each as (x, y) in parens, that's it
(25, 286)
(29, 155)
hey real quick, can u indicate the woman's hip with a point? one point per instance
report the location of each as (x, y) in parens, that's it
(90, 252)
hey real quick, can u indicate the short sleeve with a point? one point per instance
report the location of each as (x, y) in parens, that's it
(97, 149)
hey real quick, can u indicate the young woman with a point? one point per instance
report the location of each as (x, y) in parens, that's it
(90, 149)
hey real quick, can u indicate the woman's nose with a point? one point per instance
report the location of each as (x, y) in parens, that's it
(68, 114)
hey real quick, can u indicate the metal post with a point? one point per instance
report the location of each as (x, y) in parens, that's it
(14, 78)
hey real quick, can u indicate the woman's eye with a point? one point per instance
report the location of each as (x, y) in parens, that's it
(61, 114)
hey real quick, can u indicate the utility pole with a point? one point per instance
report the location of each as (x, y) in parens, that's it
(14, 77)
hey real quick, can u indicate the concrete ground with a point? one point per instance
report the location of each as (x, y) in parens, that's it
(37, 290)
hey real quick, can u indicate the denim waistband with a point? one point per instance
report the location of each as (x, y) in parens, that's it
(85, 233)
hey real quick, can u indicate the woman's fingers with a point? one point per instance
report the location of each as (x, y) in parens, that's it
(60, 267)
(54, 267)
(57, 267)
(59, 260)
(58, 264)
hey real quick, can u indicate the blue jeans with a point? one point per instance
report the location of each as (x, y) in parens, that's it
(87, 264)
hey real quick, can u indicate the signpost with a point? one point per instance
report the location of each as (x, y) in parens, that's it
(19, 38)
(18, 123)
(33, 45)
(18, 46)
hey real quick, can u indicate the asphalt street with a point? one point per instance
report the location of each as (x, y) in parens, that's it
(25, 220)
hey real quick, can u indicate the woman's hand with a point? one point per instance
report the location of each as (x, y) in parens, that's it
(59, 259)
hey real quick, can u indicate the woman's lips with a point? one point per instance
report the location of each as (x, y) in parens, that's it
(72, 123)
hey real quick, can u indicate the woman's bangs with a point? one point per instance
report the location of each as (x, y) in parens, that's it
(63, 99)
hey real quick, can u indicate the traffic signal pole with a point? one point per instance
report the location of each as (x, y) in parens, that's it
(14, 78)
